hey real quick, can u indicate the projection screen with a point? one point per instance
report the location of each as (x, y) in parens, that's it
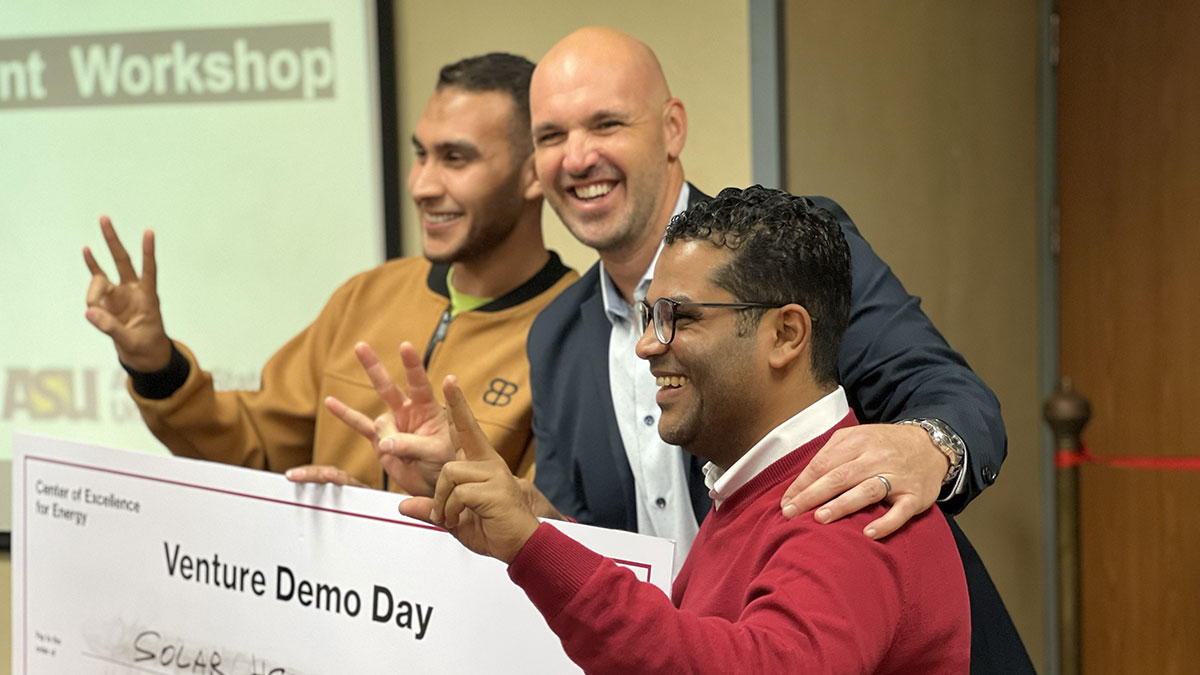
(246, 135)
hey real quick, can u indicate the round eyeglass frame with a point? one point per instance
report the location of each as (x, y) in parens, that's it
(663, 314)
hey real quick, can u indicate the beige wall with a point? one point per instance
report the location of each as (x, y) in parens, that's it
(921, 119)
(707, 68)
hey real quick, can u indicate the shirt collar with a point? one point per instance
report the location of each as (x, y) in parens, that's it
(615, 307)
(799, 429)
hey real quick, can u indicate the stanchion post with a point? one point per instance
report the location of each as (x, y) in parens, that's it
(1067, 412)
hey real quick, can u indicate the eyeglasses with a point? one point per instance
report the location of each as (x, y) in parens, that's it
(665, 310)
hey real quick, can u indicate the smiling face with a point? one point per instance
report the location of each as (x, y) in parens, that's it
(708, 376)
(465, 178)
(607, 139)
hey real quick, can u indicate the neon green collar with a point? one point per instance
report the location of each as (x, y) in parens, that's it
(461, 302)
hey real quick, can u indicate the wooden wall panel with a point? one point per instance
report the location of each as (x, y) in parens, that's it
(1129, 144)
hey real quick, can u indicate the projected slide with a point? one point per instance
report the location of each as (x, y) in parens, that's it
(245, 134)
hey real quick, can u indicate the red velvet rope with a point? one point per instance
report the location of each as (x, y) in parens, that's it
(1066, 458)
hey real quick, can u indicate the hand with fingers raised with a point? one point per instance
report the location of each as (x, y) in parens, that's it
(477, 499)
(411, 439)
(859, 466)
(128, 311)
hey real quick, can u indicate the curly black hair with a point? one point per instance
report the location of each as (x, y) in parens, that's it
(785, 250)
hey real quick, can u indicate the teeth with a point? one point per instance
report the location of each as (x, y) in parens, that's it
(593, 191)
(437, 218)
(674, 381)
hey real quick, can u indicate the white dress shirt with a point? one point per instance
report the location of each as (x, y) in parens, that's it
(664, 505)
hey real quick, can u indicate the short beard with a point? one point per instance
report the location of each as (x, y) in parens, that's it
(477, 244)
(490, 234)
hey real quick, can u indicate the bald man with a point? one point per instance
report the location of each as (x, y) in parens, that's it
(608, 137)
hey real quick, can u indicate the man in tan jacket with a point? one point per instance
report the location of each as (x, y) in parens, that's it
(465, 307)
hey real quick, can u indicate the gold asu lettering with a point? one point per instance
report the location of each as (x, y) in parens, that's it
(50, 393)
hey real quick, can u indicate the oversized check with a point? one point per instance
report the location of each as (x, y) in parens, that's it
(129, 563)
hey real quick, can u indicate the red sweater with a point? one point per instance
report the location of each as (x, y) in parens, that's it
(760, 594)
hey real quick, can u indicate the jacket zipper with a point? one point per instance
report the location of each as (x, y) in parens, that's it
(439, 334)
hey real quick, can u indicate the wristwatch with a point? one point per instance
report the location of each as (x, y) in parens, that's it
(947, 441)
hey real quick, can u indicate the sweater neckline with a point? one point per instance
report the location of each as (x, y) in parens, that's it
(788, 466)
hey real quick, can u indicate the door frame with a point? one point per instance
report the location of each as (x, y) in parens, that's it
(1048, 305)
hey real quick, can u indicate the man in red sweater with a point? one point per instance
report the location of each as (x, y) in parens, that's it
(751, 296)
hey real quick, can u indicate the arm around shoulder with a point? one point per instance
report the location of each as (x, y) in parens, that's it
(895, 365)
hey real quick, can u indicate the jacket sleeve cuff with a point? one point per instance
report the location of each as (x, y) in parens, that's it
(161, 384)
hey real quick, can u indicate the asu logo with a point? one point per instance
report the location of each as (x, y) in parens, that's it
(500, 392)
(50, 393)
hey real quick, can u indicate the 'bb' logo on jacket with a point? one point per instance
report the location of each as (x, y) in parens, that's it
(500, 392)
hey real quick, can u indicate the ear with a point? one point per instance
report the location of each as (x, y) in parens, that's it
(675, 126)
(791, 337)
(531, 189)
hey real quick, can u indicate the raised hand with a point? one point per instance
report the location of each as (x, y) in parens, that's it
(477, 498)
(411, 439)
(128, 311)
(841, 478)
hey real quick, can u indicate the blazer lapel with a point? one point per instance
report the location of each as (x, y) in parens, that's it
(604, 419)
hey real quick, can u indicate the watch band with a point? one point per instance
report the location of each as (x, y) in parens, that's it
(946, 440)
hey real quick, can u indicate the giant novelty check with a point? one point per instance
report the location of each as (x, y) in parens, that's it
(129, 563)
